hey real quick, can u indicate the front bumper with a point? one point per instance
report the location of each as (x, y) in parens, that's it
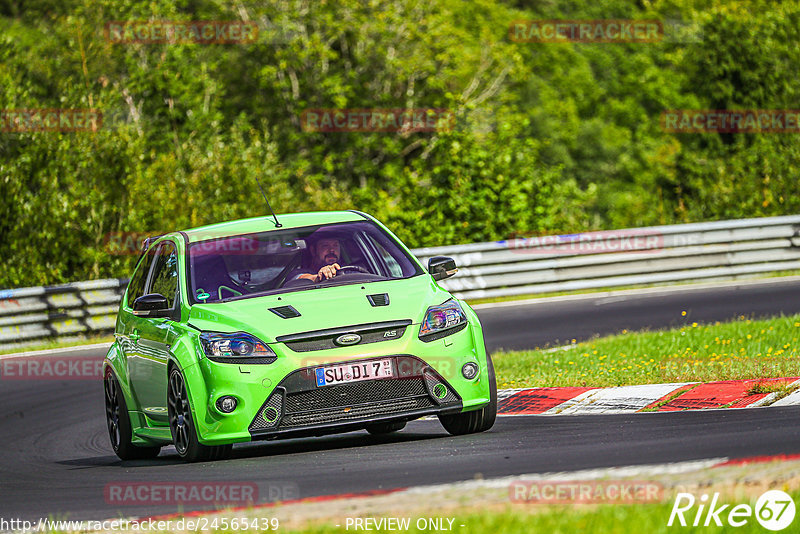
(254, 385)
(298, 407)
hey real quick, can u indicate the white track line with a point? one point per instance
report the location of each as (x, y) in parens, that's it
(792, 399)
(622, 399)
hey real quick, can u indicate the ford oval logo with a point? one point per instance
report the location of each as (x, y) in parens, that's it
(348, 339)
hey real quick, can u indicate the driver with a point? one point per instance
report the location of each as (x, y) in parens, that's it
(325, 253)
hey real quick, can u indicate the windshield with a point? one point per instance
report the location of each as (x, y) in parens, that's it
(297, 259)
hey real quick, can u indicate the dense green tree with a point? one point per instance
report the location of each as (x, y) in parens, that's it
(546, 137)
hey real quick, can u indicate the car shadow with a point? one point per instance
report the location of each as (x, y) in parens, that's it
(268, 449)
(327, 443)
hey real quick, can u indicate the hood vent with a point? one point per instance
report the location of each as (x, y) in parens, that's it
(380, 299)
(285, 312)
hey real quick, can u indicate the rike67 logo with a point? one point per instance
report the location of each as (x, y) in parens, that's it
(774, 510)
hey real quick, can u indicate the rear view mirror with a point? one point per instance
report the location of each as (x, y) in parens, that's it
(152, 305)
(441, 267)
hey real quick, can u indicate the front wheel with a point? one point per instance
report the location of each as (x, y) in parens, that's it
(119, 423)
(181, 425)
(476, 420)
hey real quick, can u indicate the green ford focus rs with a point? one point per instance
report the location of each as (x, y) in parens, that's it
(315, 324)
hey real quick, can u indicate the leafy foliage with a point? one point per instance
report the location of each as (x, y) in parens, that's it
(547, 137)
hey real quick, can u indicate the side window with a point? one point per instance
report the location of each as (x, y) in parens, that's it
(165, 273)
(139, 278)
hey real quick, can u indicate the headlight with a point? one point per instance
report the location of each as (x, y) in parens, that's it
(239, 347)
(442, 320)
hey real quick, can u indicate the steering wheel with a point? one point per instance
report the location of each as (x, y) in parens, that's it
(355, 268)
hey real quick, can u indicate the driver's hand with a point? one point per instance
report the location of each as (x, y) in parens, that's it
(328, 271)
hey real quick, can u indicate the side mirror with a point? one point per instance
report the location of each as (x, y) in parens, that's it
(441, 267)
(152, 305)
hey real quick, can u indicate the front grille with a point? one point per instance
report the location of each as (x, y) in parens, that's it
(275, 401)
(300, 403)
(357, 412)
(329, 342)
(326, 339)
(431, 381)
(354, 393)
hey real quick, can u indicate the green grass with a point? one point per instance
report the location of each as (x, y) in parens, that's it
(602, 519)
(722, 351)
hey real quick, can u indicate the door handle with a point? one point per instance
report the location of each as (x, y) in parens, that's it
(135, 336)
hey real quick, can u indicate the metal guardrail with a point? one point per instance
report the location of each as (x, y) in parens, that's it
(65, 312)
(658, 254)
(721, 250)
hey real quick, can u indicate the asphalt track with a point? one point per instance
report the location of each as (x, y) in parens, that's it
(56, 460)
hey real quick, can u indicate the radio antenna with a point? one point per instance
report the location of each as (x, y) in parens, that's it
(277, 224)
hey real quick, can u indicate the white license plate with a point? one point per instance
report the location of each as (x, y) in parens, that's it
(353, 372)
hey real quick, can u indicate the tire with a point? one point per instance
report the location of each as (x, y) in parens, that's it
(476, 420)
(181, 424)
(385, 428)
(118, 420)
